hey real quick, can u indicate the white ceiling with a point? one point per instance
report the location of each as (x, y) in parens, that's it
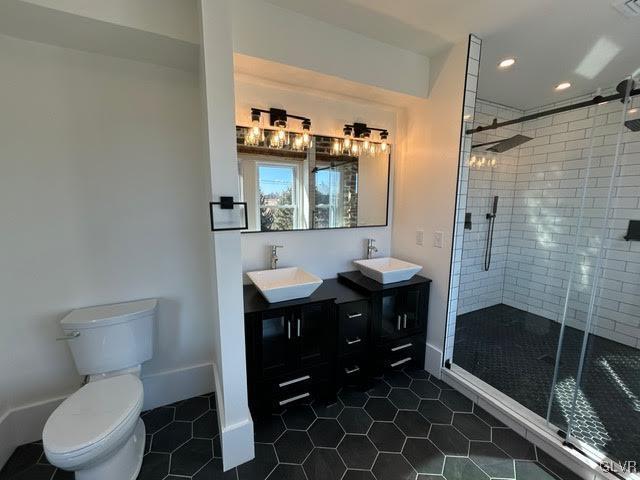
(550, 38)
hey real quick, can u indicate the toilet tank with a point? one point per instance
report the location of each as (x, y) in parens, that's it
(113, 337)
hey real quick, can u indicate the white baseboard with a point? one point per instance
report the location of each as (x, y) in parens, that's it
(171, 386)
(6, 439)
(433, 362)
(236, 440)
(24, 424)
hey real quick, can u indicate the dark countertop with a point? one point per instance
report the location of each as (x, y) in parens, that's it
(358, 280)
(331, 289)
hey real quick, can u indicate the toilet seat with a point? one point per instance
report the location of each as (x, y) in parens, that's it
(93, 421)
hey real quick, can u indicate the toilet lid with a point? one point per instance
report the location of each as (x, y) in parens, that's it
(92, 413)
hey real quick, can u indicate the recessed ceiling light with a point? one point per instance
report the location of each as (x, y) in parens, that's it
(507, 62)
(633, 110)
(563, 86)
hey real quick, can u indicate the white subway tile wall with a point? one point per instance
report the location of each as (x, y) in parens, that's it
(540, 189)
(479, 288)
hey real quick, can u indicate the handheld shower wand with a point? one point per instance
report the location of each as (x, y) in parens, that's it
(489, 245)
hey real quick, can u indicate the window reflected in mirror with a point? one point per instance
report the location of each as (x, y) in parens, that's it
(288, 189)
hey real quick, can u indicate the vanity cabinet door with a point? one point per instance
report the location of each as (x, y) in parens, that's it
(276, 343)
(390, 315)
(413, 310)
(312, 327)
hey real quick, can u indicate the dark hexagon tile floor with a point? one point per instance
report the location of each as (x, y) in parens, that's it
(427, 440)
(514, 351)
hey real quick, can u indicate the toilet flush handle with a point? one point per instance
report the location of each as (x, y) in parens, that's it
(70, 336)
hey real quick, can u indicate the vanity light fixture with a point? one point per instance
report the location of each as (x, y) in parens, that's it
(563, 86)
(278, 136)
(358, 139)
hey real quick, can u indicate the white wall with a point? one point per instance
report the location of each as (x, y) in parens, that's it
(323, 252)
(172, 18)
(266, 31)
(102, 199)
(426, 185)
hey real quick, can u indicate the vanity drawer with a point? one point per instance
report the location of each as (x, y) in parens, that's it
(297, 387)
(353, 327)
(401, 353)
(352, 370)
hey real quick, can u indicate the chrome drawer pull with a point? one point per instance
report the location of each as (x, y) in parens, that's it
(355, 340)
(353, 370)
(295, 380)
(288, 330)
(400, 362)
(354, 315)
(402, 347)
(70, 335)
(398, 322)
(293, 399)
(298, 328)
(405, 320)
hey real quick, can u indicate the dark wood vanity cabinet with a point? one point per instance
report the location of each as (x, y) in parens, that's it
(398, 314)
(290, 354)
(347, 331)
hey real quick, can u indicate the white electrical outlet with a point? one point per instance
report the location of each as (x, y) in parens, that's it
(419, 237)
(437, 239)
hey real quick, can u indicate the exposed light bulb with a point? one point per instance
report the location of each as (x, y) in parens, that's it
(383, 136)
(354, 148)
(306, 132)
(337, 148)
(347, 142)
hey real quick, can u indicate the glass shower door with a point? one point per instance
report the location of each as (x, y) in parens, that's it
(595, 396)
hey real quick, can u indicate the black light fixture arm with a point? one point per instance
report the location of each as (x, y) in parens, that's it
(359, 129)
(277, 115)
(587, 103)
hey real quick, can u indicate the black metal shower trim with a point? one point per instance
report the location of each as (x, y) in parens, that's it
(587, 103)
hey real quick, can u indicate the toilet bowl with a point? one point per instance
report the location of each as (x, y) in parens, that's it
(97, 432)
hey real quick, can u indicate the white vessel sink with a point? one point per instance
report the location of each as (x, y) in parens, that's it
(387, 269)
(284, 283)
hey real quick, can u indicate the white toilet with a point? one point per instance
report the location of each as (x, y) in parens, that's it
(97, 432)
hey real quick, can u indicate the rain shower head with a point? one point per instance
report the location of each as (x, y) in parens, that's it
(633, 125)
(501, 146)
(509, 143)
